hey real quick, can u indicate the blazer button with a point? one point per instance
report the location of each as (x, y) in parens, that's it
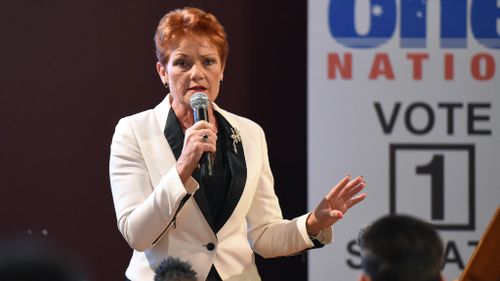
(210, 246)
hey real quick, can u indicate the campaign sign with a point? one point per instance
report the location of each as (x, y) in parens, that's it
(405, 93)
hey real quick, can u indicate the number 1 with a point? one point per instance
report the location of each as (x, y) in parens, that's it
(435, 169)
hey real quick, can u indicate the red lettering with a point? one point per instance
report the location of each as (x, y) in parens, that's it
(334, 64)
(448, 66)
(381, 67)
(417, 59)
(475, 66)
(482, 66)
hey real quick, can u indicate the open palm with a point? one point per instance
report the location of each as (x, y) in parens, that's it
(336, 203)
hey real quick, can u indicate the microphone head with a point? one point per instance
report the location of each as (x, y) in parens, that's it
(174, 269)
(199, 100)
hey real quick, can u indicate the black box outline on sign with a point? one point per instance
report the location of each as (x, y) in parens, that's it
(414, 146)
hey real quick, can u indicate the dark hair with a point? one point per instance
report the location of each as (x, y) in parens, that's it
(30, 260)
(183, 23)
(173, 269)
(401, 248)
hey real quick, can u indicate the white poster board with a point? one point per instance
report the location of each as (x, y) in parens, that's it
(405, 93)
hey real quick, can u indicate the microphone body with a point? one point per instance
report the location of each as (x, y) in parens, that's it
(199, 102)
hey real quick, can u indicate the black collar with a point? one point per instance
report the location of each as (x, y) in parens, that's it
(236, 160)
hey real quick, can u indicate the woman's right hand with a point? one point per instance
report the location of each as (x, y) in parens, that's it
(194, 147)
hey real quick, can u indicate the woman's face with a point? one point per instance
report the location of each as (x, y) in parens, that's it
(194, 66)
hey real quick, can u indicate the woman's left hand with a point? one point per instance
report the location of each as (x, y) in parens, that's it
(335, 204)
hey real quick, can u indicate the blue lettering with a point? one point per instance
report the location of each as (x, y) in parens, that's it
(342, 23)
(484, 17)
(413, 24)
(453, 24)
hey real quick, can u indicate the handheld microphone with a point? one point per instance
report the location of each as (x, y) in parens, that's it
(174, 269)
(199, 102)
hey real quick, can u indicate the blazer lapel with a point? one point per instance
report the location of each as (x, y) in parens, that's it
(237, 166)
(175, 138)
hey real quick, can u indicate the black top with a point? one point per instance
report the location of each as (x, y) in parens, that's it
(215, 188)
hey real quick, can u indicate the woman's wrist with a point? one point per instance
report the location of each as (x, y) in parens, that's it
(312, 225)
(182, 171)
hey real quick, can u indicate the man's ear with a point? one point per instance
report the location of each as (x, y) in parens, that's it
(162, 72)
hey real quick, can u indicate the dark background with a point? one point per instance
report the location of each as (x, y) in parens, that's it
(71, 69)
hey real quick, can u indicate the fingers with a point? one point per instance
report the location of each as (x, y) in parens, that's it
(321, 218)
(355, 200)
(201, 129)
(202, 137)
(334, 192)
(205, 136)
(340, 198)
(198, 139)
(330, 218)
(336, 214)
(353, 188)
(346, 188)
(202, 125)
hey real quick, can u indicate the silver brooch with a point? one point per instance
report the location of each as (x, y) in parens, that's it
(235, 135)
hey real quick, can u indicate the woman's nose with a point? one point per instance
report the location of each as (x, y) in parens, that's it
(196, 72)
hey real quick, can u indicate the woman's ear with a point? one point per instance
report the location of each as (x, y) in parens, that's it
(162, 72)
(222, 73)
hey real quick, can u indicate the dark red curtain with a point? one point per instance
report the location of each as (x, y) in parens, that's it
(71, 69)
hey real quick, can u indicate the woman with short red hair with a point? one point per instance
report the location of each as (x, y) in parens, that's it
(166, 205)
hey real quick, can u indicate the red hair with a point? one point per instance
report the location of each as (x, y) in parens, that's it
(182, 23)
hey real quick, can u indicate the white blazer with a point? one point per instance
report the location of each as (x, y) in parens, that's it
(147, 194)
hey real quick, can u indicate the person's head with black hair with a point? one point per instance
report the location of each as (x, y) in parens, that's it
(37, 260)
(174, 269)
(401, 248)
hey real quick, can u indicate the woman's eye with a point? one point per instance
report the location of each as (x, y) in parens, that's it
(180, 62)
(209, 61)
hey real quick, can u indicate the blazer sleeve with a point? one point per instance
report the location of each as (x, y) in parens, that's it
(143, 212)
(269, 234)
